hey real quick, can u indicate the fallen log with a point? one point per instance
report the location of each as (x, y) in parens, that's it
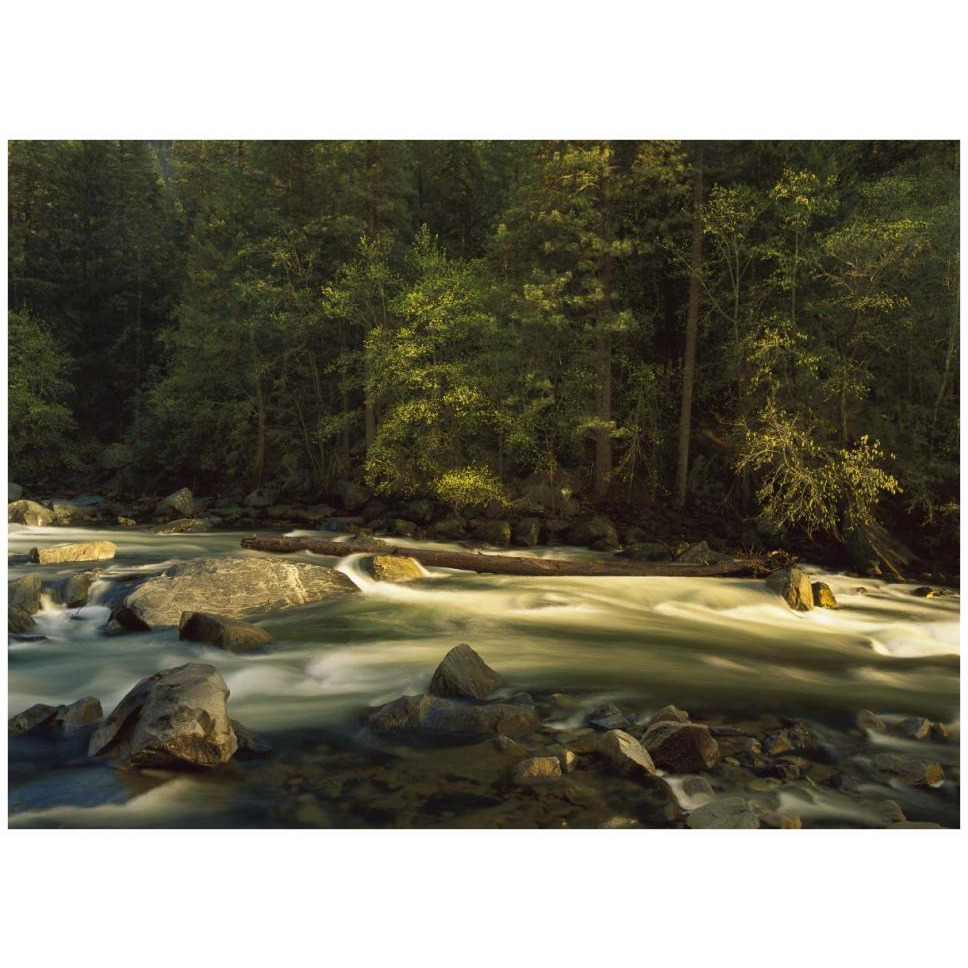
(506, 564)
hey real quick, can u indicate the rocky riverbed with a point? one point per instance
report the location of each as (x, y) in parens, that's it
(377, 694)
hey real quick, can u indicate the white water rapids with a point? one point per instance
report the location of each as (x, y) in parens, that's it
(730, 645)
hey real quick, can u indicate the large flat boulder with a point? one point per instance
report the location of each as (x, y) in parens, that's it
(235, 586)
(30, 513)
(77, 551)
(462, 672)
(177, 717)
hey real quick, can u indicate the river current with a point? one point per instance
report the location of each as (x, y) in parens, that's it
(729, 646)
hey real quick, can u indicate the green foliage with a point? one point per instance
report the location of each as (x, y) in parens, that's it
(42, 435)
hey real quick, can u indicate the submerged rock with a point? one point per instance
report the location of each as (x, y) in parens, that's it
(77, 551)
(794, 586)
(226, 633)
(537, 769)
(777, 820)
(29, 513)
(180, 504)
(681, 747)
(234, 586)
(868, 720)
(724, 813)
(625, 753)
(609, 716)
(250, 744)
(14, 492)
(823, 596)
(925, 592)
(911, 769)
(462, 672)
(436, 715)
(914, 727)
(393, 568)
(177, 717)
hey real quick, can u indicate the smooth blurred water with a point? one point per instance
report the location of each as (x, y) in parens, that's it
(729, 645)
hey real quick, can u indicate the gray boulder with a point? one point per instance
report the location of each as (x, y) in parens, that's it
(185, 525)
(30, 513)
(462, 672)
(681, 747)
(14, 492)
(78, 587)
(794, 586)
(19, 620)
(625, 753)
(226, 633)
(178, 717)
(24, 593)
(724, 813)
(609, 716)
(234, 586)
(669, 714)
(180, 504)
(75, 510)
(67, 718)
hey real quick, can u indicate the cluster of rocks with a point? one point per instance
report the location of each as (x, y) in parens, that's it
(176, 718)
(468, 700)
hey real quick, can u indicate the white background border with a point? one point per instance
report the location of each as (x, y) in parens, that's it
(522, 69)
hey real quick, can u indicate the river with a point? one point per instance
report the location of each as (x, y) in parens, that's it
(719, 647)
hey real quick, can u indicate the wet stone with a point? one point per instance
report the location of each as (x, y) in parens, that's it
(625, 753)
(609, 716)
(910, 769)
(462, 672)
(681, 747)
(537, 769)
(724, 813)
(668, 714)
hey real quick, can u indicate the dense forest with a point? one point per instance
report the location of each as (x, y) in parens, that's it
(754, 330)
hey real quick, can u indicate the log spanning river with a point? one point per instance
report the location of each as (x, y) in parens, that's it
(728, 650)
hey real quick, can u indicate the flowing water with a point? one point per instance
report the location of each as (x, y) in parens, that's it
(728, 647)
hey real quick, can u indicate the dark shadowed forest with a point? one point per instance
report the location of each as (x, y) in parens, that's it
(761, 333)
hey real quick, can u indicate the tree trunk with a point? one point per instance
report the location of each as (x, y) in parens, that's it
(692, 327)
(506, 564)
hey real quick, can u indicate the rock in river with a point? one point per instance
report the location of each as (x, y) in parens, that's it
(394, 568)
(823, 596)
(537, 769)
(462, 672)
(227, 633)
(681, 747)
(24, 593)
(436, 715)
(29, 512)
(724, 813)
(625, 753)
(911, 769)
(66, 718)
(78, 551)
(178, 717)
(234, 586)
(794, 586)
